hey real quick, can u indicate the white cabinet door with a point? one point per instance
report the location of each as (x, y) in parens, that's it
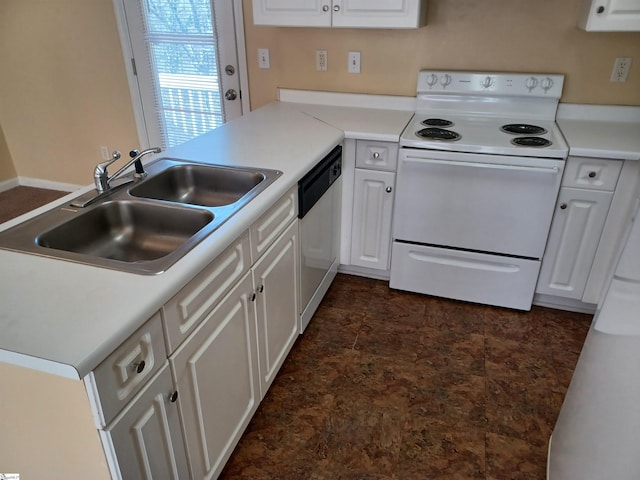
(276, 281)
(379, 13)
(573, 240)
(292, 13)
(372, 210)
(216, 371)
(146, 437)
(340, 13)
(610, 15)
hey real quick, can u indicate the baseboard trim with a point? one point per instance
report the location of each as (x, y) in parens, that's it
(8, 184)
(48, 184)
(364, 272)
(560, 303)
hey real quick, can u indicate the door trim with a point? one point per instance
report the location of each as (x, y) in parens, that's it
(127, 55)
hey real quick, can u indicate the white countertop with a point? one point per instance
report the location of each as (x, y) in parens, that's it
(65, 318)
(601, 131)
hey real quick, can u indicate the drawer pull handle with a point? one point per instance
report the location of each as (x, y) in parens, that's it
(173, 397)
(261, 289)
(563, 206)
(376, 155)
(592, 174)
(139, 367)
(253, 297)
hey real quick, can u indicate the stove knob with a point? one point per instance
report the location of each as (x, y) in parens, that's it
(487, 82)
(432, 80)
(531, 83)
(546, 84)
(445, 80)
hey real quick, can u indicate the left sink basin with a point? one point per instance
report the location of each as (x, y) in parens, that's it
(127, 231)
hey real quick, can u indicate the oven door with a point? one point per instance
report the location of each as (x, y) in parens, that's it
(485, 203)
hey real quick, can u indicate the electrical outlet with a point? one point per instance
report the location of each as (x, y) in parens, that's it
(263, 58)
(621, 69)
(321, 60)
(354, 62)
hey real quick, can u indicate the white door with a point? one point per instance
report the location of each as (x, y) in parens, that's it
(377, 13)
(147, 438)
(184, 66)
(292, 13)
(275, 277)
(573, 241)
(216, 371)
(372, 209)
(487, 203)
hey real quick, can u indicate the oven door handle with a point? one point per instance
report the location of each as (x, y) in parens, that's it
(494, 166)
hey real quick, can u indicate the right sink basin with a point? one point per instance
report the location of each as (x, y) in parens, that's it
(202, 185)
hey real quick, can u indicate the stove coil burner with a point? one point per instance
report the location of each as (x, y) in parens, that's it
(523, 129)
(438, 134)
(437, 122)
(531, 142)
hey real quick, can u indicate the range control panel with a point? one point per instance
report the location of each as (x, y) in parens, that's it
(491, 84)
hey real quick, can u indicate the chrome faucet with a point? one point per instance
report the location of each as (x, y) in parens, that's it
(101, 177)
(102, 180)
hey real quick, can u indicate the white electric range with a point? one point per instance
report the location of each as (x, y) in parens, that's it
(479, 170)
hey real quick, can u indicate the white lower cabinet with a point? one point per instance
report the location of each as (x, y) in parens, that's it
(276, 280)
(146, 436)
(573, 240)
(372, 212)
(588, 187)
(216, 372)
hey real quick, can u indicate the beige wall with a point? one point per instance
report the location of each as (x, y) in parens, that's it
(489, 35)
(46, 427)
(63, 88)
(64, 92)
(7, 169)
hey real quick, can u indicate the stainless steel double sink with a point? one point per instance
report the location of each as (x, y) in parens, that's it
(142, 227)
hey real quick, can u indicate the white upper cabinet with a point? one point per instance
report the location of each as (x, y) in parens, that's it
(610, 16)
(340, 13)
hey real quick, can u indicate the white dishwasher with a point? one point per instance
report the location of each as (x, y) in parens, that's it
(319, 194)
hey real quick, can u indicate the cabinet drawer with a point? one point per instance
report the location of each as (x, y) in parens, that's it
(591, 173)
(377, 155)
(268, 227)
(126, 370)
(186, 310)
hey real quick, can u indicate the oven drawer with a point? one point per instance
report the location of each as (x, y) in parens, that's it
(474, 277)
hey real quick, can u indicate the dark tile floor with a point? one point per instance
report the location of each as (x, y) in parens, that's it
(19, 200)
(393, 385)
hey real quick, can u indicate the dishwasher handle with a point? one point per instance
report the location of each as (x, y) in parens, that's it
(493, 166)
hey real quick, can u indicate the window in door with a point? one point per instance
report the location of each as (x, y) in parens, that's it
(184, 66)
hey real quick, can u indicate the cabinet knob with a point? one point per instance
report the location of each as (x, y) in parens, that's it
(325, 8)
(139, 366)
(173, 397)
(563, 206)
(253, 297)
(336, 8)
(388, 189)
(600, 9)
(592, 174)
(261, 289)
(376, 155)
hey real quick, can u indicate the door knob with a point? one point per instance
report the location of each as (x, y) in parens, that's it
(231, 94)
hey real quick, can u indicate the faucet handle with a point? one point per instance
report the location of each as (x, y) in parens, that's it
(102, 166)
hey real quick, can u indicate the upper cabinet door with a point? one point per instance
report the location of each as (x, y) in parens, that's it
(340, 13)
(610, 16)
(292, 13)
(379, 13)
